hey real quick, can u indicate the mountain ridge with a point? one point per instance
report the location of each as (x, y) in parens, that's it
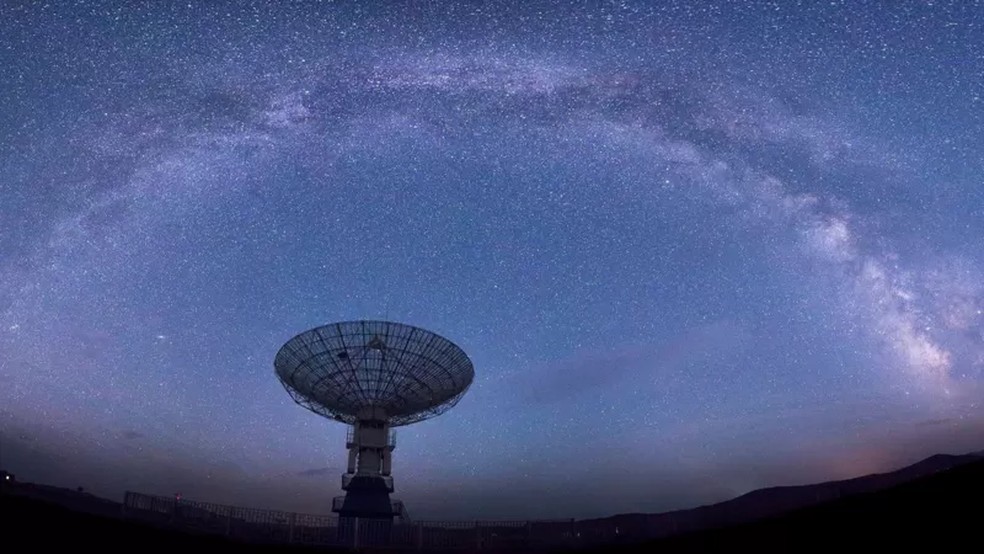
(775, 501)
(759, 504)
(927, 513)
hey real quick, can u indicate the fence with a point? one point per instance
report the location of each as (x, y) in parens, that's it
(271, 526)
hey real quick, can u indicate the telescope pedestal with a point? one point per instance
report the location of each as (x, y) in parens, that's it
(368, 483)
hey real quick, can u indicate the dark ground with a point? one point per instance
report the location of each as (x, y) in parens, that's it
(943, 511)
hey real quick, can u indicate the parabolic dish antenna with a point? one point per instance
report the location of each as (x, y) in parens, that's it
(342, 369)
(373, 375)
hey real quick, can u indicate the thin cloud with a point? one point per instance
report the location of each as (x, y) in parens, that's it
(318, 472)
(934, 422)
(591, 371)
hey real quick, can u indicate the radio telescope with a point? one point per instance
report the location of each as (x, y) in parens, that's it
(374, 376)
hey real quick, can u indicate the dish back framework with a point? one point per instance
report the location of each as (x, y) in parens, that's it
(374, 376)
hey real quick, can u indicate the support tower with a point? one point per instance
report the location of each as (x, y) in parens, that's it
(373, 376)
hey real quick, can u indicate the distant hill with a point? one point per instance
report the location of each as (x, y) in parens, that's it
(934, 502)
(939, 512)
(769, 502)
(773, 501)
(76, 500)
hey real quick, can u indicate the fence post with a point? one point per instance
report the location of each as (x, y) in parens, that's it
(290, 530)
(420, 535)
(355, 532)
(228, 522)
(478, 536)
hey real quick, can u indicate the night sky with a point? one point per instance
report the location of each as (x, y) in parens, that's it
(691, 250)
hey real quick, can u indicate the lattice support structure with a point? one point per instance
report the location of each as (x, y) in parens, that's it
(374, 376)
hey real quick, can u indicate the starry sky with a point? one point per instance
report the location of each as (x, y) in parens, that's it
(692, 249)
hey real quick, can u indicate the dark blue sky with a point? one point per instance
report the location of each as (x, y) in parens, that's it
(691, 250)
